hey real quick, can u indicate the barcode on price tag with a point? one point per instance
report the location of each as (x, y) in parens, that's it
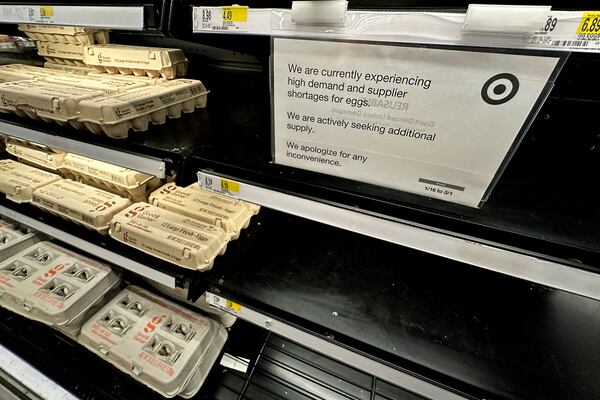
(222, 303)
(213, 19)
(573, 30)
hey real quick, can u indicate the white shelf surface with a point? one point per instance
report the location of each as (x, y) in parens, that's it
(444, 244)
(148, 165)
(94, 250)
(112, 17)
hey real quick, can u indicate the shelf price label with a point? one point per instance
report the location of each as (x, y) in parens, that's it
(222, 303)
(590, 23)
(220, 19)
(219, 185)
(46, 11)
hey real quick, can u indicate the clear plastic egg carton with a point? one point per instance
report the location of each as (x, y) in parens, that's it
(71, 69)
(62, 53)
(64, 34)
(172, 237)
(36, 155)
(55, 286)
(14, 238)
(83, 204)
(222, 211)
(136, 60)
(125, 182)
(18, 181)
(46, 101)
(160, 344)
(115, 114)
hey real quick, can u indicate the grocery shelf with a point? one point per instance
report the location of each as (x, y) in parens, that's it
(161, 151)
(484, 334)
(146, 164)
(134, 15)
(468, 250)
(539, 205)
(87, 242)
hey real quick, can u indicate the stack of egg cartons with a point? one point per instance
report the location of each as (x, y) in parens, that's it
(63, 46)
(55, 286)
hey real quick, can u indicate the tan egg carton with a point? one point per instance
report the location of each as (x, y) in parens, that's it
(53, 285)
(14, 238)
(36, 155)
(70, 69)
(94, 82)
(44, 100)
(83, 204)
(169, 236)
(115, 114)
(136, 60)
(18, 181)
(21, 72)
(64, 34)
(129, 78)
(166, 347)
(222, 211)
(62, 53)
(125, 182)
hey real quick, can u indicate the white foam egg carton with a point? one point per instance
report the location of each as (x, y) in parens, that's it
(64, 34)
(62, 53)
(83, 204)
(230, 214)
(136, 60)
(115, 114)
(36, 155)
(14, 238)
(71, 69)
(18, 181)
(44, 100)
(173, 237)
(125, 182)
(55, 286)
(160, 344)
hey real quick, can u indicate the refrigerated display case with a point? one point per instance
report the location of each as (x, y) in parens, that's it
(342, 288)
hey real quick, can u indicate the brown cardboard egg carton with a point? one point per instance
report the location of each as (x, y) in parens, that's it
(164, 346)
(230, 214)
(169, 236)
(44, 100)
(55, 286)
(18, 181)
(125, 182)
(115, 114)
(136, 60)
(62, 53)
(20, 72)
(71, 69)
(36, 155)
(93, 82)
(80, 203)
(14, 238)
(64, 34)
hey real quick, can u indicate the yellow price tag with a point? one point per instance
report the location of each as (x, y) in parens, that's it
(235, 14)
(234, 306)
(590, 23)
(46, 11)
(230, 186)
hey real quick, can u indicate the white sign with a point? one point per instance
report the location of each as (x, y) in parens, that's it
(437, 122)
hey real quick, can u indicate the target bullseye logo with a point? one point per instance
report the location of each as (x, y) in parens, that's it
(499, 89)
